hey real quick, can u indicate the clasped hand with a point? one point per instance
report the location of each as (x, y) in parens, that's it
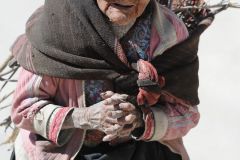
(120, 117)
(114, 116)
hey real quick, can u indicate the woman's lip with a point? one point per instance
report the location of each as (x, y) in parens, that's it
(120, 5)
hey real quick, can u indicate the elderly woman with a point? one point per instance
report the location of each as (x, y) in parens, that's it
(100, 80)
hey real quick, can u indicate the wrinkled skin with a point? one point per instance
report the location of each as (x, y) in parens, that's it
(114, 116)
(104, 116)
(128, 121)
(122, 12)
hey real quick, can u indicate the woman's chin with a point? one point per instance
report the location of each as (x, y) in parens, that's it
(120, 20)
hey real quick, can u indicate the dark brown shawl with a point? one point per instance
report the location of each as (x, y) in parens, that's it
(73, 39)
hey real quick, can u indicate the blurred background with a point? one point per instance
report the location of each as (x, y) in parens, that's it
(216, 136)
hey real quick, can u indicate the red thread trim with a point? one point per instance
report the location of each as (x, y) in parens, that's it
(149, 127)
(56, 124)
(149, 124)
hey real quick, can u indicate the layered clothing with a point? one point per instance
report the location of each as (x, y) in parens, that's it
(66, 45)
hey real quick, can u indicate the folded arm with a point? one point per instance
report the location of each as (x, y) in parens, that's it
(34, 108)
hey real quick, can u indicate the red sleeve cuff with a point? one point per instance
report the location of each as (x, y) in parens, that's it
(56, 125)
(148, 117)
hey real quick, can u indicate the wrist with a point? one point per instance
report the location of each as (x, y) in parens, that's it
(80, 118)
(146, 131)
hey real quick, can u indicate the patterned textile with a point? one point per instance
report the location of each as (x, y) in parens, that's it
(137, 41)
(93, 89)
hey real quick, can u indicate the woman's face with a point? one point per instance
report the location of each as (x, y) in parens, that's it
(122, 12)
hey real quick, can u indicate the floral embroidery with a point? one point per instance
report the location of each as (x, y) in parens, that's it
(136, 42)
(93, 88)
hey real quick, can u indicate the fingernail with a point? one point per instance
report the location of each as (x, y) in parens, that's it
(105, 139)
(102, 94)
(105, 102)
(124, 96)
(109, 92)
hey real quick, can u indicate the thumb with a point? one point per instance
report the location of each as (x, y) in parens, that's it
(106, 94)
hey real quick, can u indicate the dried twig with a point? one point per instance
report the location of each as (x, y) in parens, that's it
(224, 4)
(7, 123)
(6, 96)
(6, 106)
(12, 137)
(5, 83)
(8, 72)
(5, 63)
(8, 80)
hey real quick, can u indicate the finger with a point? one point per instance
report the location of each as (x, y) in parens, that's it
(113, 129)
(115, 99)
(125, 134)
(106, 125)
(116, 114)
(111, 120)
(130, 118)
(121, 121)
(112, 101)
(109, 123)
(128, 127)
(119, 97)
(108, 107)
(107, 94)
(126, 106)
(126, 131)
(109, 137)
(126, 119)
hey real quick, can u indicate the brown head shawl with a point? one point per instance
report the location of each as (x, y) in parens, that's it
(66, 39)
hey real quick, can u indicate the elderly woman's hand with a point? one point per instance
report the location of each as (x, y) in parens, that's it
(103, 116)
(131, 119)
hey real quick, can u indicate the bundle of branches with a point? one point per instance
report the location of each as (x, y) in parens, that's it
(190, 11)
(7, 72)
